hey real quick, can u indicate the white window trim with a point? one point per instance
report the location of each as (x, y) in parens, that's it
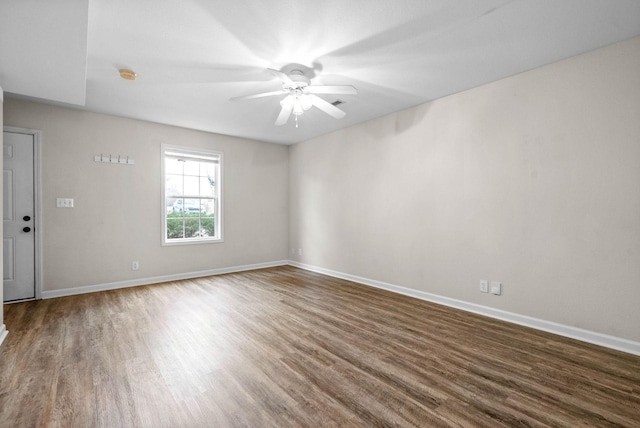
(220, 197)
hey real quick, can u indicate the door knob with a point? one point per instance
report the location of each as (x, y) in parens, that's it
(26, 229)
(26, 218)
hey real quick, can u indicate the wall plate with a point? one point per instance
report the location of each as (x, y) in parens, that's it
(496, 288)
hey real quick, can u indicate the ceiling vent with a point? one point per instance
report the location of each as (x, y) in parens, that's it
(336, 103)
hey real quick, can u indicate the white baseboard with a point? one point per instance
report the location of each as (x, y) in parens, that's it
(3, 333)
(588, 336)
(156, 279)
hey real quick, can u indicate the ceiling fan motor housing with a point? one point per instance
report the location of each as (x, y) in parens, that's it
(300, 80)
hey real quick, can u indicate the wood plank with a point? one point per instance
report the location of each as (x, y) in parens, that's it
(289, 348)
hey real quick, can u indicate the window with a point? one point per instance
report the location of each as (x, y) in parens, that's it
(192, 207)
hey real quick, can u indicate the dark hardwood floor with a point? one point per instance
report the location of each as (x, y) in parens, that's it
(282, 347)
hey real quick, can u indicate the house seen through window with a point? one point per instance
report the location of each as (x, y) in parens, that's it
(192, 204)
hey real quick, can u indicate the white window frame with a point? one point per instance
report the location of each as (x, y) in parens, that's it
(190, 151)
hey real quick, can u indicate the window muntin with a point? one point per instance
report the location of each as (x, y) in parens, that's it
(191, 195)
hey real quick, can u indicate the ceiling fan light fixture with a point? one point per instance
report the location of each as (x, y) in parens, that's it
(299, 103)
(297, 108)
(305, 101)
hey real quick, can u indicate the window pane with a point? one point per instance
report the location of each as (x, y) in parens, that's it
(169, 201)
(173, 166)
(208, 169)
(191, 168)
(178, 205)
(191, 227)
(173, 185)
(191, 185)
(208, 206)
(175, 228)
(192, 207)
(207, 186)
(207, 225)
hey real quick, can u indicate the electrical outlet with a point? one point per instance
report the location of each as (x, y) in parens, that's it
(135, 265)
(496, 288)
(299, 251)
(484, 286)
(64, 203)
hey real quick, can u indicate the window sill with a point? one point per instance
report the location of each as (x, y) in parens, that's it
(191, 242)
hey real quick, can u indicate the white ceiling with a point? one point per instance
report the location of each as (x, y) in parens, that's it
(192, 56)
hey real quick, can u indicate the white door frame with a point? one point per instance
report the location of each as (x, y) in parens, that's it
(37, 201)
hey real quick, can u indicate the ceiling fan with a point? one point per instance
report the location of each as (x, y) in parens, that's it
(301, 96)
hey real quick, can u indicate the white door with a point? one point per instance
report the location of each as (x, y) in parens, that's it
(18, 212)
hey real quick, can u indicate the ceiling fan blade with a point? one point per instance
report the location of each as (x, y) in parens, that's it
(327, 107)
(264, 94)
(282, 76)
(324, 89)
(285, 113)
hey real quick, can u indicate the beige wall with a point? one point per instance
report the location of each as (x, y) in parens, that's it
(117, 217)
(533, 180)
